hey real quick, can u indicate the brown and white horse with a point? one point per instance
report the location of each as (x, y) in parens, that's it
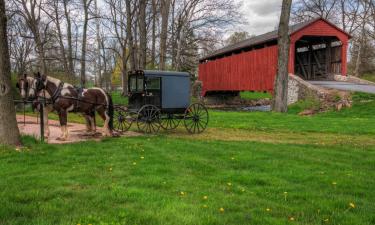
(66, 98)
(24, 83)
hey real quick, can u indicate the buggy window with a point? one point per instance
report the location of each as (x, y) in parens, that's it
(133, 84)
(153, 83)
(140, 84)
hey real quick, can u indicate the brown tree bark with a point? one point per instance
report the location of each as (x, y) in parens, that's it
(9, 133)
(69, 38)
(60, 36)
(86, 5)
(165, 5)
(142, 34)
(129, 35)
(280, 101)
(98, 41)
(153, 38)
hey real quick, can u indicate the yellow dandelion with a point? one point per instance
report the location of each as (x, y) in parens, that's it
(268, 209)
(205, 197)
(221, 210)
(134, 163)
(285, 193)
(229, 184)
(232, 158)
(110, 169)
(352, 205)
(334, 183)
(291, 218)
(182, 193)
(89, 224)
(142, 157)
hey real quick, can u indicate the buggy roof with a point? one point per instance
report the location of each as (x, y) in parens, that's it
(165, 73)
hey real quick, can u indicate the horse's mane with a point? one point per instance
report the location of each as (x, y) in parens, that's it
(57, 81)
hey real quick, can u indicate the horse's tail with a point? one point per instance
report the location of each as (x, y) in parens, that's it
(110, 111)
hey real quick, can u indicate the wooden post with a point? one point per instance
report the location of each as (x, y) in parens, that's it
(310, 68)
(41, 109)
(328, 57)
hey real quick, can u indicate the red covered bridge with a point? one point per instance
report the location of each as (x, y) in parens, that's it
(317, 48)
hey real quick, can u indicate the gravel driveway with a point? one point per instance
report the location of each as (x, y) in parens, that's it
(345, 86)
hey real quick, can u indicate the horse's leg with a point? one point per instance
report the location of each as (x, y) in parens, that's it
(103, 114)
(45, 121)
(93, 122)
(63, 116)
(88, 124)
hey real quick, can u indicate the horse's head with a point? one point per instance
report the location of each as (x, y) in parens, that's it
(37, 85)
(23, 86)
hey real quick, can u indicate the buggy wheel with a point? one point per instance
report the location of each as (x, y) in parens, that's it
(148, 120)
(196, 118)
(121, 120)
(169, 122)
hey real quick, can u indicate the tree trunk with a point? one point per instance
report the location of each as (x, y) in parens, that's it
(129, 35)
(153, 44)
(361, 42)
(165, 5)
(61, 41)
(86, 4)
(280, 101)
(98, 40)
(69, 38)
(9, 133)
(142, 34)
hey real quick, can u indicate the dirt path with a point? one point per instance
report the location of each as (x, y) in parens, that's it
(76, 131)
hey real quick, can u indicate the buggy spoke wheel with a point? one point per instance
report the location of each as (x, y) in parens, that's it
(169, 122)
(121, 120)
(148, 120)
(196, 118)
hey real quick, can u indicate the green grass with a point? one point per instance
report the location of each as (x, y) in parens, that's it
(118, 99)
(308, 168)
(369, 76)
(254, 95)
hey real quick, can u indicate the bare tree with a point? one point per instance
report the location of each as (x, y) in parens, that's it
(142, 34)
(69, 39)
(86, 6)
(280, 102)
(21, 47)
(155, 12)
(9, 133)
(98, 43)
(129, 33)
(31, 11)
(362, 36)
(164, 9)
(308, 9)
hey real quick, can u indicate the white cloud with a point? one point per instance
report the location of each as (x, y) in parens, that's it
(261, 15)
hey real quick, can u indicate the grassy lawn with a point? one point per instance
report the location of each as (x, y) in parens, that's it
(369, 76)
(254, 95)
(247, 168)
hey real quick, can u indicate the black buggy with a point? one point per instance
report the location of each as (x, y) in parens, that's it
(160, 99)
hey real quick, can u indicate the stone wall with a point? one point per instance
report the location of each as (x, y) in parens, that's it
(299, 89)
